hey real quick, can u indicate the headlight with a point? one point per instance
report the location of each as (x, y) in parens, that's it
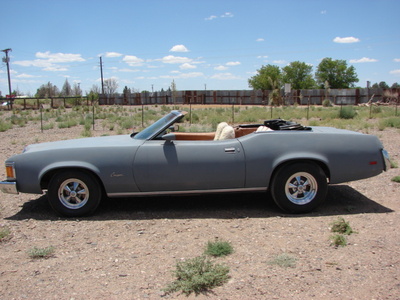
(10, 171)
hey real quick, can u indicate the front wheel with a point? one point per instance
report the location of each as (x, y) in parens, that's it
(299, 187)
(74, 193)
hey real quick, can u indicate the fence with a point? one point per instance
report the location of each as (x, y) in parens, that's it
(236, 97)
(253, 97)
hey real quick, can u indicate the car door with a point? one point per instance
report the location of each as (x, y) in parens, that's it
(189, 165)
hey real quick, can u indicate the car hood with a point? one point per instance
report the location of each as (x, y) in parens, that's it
(93, 142)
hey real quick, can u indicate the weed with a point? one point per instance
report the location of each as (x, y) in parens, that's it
(86, 133)
(4, 233)
(347, 112)
(338, 240)
(41, 252)
(197, 275)
(4, 126)
(396, 179)
(341, 226)
(284, 260)
(393, 164)
(218, 248)
(326, 103)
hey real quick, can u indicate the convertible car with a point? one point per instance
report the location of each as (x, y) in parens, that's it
(294, 163)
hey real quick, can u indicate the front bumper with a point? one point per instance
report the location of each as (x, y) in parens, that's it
(8, 187)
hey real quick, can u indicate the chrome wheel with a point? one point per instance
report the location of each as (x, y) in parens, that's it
(73, 193)
(301, 188)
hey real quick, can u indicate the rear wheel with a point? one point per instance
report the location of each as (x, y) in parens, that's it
(74, 193)
(299, 187)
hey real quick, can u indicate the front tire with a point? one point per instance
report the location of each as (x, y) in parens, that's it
(74, 193)
(299, 187)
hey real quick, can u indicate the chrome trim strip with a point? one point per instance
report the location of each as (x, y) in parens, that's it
(8, 187)
(166, 193)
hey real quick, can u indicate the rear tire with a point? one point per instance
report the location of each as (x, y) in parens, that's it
(74, 193)
(299, 187)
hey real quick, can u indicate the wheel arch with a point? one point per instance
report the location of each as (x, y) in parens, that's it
(323, 165)
(48, 174)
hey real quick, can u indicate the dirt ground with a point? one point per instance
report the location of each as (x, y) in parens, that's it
(129, 249)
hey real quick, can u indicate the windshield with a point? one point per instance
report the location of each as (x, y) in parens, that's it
(157, 127)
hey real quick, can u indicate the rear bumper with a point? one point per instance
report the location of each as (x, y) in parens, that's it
(386, 159)
(8, 187)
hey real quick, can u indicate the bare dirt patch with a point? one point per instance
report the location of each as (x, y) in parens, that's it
(129, 248)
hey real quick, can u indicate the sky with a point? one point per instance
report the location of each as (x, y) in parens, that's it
(198, 44)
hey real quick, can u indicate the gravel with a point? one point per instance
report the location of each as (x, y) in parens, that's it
(130, 247)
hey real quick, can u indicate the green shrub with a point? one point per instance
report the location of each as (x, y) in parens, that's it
(338, 240)
(347, 112)
(396, 179)
(218, 248)
(389, 122)
(341, 226)
(41, 252)
(326, 103)
(284, 260)
(4, 233)
(197, 275)
(4, 126)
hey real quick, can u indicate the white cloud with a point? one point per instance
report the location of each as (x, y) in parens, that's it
(171, 59)
(112, 54)
(395, 72)
(225, 76)
(260, 40)
(280, 62)
(59, 57)
(396, 60)
(127, 70)
(210, 18)
(179, 48)
(187, 66)
(323, 12)
(55, 69)
(221, 68)
(183, 75)
(23, 75)
(227, 15)
(191, 75)
(346, 40)
(133, 60)
(50, 61)
(363, 60)
(233, 63)
(262, 56)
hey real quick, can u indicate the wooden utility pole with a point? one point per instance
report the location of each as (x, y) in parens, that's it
(7, 60)
(101, 72)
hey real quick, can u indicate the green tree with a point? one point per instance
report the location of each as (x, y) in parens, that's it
(337, 73)
(47, 90)
(395, 85)
(66, 89)
(269, 77)
(383, 85)
(299, 75)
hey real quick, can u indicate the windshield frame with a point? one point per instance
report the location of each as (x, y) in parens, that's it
(160, 125)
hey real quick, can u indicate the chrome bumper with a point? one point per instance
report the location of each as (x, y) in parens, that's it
(8, 187)
(386, 159)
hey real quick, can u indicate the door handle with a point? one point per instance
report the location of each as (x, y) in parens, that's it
(230, 150)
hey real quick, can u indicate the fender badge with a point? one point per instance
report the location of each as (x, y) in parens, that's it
(113, 174)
